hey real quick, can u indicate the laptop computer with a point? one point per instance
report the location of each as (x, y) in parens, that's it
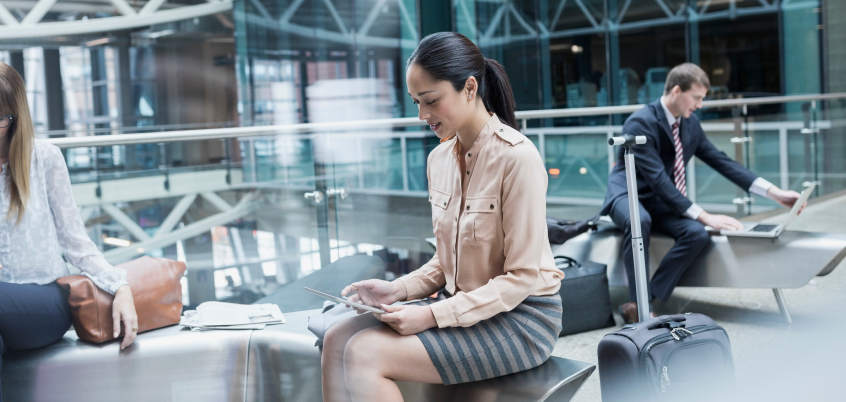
(771, 230)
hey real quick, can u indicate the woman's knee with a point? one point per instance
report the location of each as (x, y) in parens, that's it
(336, 338)
(361, 351)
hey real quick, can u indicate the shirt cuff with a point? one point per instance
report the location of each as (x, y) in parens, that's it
(444, 314)
(693, 212)
(760, 187)
(412, 286)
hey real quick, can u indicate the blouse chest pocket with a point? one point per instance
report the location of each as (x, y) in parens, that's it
(439, 201)
(484, 214)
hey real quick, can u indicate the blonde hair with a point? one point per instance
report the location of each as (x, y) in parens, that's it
(20, 137)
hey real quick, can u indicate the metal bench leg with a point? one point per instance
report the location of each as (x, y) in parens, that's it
(782, 305)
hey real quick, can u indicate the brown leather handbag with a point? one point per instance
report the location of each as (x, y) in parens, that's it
(155, 288)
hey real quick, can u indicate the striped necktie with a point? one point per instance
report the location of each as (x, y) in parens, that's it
(678, 168)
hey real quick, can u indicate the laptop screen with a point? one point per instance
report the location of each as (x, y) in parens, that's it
(794, 212)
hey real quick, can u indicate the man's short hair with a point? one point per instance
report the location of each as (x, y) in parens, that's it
(685, 75)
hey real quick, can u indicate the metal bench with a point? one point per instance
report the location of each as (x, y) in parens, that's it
(278, 363)
(789, 261)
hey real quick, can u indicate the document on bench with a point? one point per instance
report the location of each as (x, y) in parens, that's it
(219, 315)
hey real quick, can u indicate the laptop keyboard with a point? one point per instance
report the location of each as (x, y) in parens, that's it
(763, 228)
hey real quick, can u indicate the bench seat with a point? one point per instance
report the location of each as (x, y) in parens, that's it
(279, 363)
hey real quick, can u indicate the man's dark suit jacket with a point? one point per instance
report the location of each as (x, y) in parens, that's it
(655, 159)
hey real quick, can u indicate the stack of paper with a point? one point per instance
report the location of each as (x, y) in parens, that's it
(218, 315)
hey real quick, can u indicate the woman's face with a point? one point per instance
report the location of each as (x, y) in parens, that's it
(444, 109)
(4, 121)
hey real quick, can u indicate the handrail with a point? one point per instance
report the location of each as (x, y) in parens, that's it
(258, 131)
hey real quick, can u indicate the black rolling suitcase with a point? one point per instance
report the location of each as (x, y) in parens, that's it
(685, 357)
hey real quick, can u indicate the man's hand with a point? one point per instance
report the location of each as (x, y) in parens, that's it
(784, 198)
(408, 319)
(375, 292)
(123, 310)
(719, 222)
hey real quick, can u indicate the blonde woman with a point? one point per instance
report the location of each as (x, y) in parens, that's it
(39, 221)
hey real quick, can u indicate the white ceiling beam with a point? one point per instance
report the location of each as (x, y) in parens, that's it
(175, 215)
(371, 17)
(289, 12)
(587, 13)
(216, 200)
(335, 16)
(38, 12)
(665, 8)
(6, 17)
(107, 24)
(246, 206)
(521, 21)
(85, 213)
(409, 22)
(125, 221)
(622, 13)
(124, 7)
(262, 10)
(495, 21)
(557, 14)
(151, 7)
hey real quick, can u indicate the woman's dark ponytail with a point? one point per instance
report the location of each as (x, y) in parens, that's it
(450, 56)
(498, 96)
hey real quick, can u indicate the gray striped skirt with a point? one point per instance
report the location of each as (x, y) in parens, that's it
(506, 343)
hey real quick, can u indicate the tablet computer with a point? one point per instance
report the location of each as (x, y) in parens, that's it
(347, 302)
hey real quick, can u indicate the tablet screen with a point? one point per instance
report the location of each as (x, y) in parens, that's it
(345, 301)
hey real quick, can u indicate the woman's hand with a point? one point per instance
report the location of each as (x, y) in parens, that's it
(123, 310)
(375, 292)
(408, 319)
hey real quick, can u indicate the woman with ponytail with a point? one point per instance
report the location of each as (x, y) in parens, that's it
(495, 308)
(40, 220)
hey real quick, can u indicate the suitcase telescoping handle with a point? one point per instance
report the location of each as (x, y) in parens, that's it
(628, 141)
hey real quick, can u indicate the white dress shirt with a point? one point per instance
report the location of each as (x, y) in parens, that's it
(759, 187)
(31, 252)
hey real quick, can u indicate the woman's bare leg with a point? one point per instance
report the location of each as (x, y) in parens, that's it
(376, 357)
(332, 360)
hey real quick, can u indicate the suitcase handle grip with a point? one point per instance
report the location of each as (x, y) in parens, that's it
(664, 320)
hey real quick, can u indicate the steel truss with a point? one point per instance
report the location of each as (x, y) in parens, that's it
(187, 186)
(344, 34)
(508, 24)
(538, 30)
(151, 13)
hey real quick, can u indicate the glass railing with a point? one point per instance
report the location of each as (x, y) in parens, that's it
(251, 209)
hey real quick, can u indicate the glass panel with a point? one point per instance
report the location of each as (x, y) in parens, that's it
(577, 165)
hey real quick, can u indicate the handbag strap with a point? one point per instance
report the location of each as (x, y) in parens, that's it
(572, 263)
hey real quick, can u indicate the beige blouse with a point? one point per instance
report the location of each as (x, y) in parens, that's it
(493, 248)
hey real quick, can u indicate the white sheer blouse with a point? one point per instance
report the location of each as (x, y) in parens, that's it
(31, 252)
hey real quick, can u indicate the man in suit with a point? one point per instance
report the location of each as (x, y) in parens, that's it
(674, 135)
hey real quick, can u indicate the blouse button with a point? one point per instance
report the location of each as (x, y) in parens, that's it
(491, 206)
(468, 172)
(444, 204)
(468, 207)
(469, 155)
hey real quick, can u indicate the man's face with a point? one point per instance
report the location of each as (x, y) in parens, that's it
(687, 102)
